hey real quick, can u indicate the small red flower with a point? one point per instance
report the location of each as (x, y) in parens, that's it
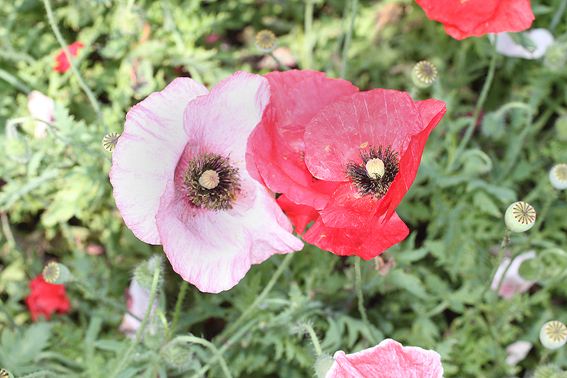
(46, 298)
(389, 359)
(317, 156)
(61, 59)
(466, 18)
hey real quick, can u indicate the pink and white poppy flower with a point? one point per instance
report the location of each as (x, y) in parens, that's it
(389, 359)
(513, 283)
(180, 180)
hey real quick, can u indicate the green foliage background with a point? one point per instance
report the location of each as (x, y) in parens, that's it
(56, 201)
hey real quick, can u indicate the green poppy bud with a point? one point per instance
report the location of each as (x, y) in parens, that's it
(177, 353)
(323, 363)
(266, 41)
(144, 273)
(520, 217)
(549, 371)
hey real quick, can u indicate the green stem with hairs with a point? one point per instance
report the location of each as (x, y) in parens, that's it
(6, 76)
(212, 347)
(344, 60)
(479, 104)
(361, 309)
(314, 339)
(252, 308)
(178, 304)
(63, 44)
(126, 356)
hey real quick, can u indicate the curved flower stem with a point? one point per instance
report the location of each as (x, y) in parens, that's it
(259, 299)
(505, 241)
(361, 309)
(347, 40)
(478, 107)
(279, 62)
(14, 81)
(63, 44)
(178, 304)
(307, 42)
(314, 339)
(126, 356)
(212, 347)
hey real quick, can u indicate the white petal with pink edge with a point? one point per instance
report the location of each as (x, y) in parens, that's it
(147, 153)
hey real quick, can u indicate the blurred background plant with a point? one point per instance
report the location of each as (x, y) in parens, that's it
(56, 201)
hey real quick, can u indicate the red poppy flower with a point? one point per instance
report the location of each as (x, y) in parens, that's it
(317, 159)
(466, 18)
(46, 298)
(389, 359)
(61, 59)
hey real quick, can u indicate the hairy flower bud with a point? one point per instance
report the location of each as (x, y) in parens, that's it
(56, 273)
(558, 176)
(556, 56)
(177, 353)
(553, 334)
(323, 363)
(549, 371)
(155, 333)
(144, 273)
(423, 74)
(520, 217)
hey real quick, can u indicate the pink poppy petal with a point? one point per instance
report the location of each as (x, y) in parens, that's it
(389, 359)
(366, 242)
(147, 153)
(223, 120)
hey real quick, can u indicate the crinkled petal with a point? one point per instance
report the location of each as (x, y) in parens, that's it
(214, 250)
(222, 121)
(147, 153)
(463, 19)
(431, 112)
(299, 215)
(366, 242)
(347, 208)
(389, 359)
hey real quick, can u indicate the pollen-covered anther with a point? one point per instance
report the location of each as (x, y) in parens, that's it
(209, 179)
(376, 173)
(211, 182)
(375, 168)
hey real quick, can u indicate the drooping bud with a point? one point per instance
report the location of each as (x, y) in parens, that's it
(144, 273)
(553, 334)
(154, 333)
(177, 353)
(556, 56)
(129, 20)
(424, 74)
(549, 371)
(266, 41)
(558, 176)
(520, 217)
(56, 273)
(323, 363)
(109, 141)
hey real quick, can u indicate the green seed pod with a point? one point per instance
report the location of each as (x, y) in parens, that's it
(109, 141)
(520, 217)
(424, 74)
(5, 374)
(177, 353)
(56, 273)
(558, 176)
(323, 363)
(553, 334)
(266, 41)
(549, 371)
(144, 273)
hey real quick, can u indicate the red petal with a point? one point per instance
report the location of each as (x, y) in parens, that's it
(463, 19)
(347, 208)
(299, 215)
(431, 112)
(46, 298)
(366, 242)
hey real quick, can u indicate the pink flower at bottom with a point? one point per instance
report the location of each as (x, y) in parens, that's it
(389, 359)
(180, 180)
(137, 300)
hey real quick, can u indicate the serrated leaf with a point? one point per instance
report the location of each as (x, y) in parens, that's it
(399, 279)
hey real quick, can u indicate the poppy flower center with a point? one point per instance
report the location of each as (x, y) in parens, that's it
(378, 170)
(211, 182)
